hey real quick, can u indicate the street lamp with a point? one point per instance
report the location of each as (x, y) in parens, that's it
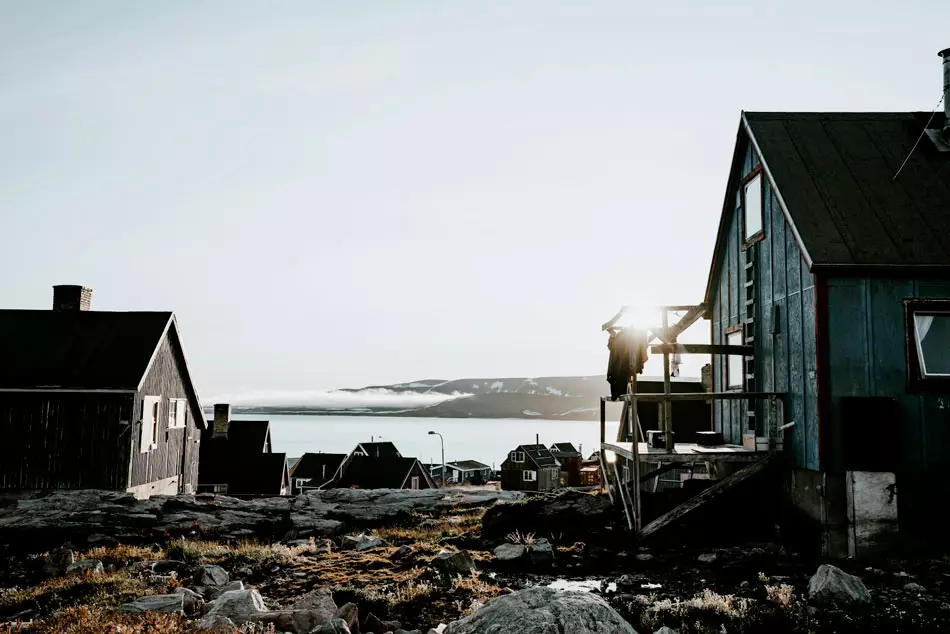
(442, 441)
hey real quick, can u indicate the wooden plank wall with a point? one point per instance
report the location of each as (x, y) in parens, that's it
(165, 380)
(59, 440)
(785, 361)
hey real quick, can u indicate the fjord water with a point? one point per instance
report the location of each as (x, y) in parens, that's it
(487, 440)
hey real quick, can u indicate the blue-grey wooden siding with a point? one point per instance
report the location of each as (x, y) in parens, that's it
(785, 361)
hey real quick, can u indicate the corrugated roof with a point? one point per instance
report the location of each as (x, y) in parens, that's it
(92, 350)
(541, 455)
(318, 465)
(467, 465)
(834, 172)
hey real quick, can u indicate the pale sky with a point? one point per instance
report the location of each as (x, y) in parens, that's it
(338, 193)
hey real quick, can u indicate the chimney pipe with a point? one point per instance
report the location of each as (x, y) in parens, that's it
(537, 439)
(222, 420)
(71, 298)
(945, 54)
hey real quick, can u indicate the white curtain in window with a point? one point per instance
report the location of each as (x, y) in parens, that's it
(924, 322)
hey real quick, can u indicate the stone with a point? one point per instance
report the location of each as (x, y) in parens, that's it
(744, 584)
(453, 562)
(216, 623)
(165, 566)
(155, 603)
(644, 557)
(707, 558)
(402, 552)
(191, 600)
(212, 592)
(629, 582)
(574, 514)
(374, 624)
(665, 630)
(914, 587)
(368, 543)
(245, 572)
(350, 615)
(86, 566)
(98, 539)
(541, 610)
(438, 630)
(831, 585)
(336, 626)
(210, 575)
(238, 604)
(58, 561)
(509, 552)
(541, 552)
(319, 600)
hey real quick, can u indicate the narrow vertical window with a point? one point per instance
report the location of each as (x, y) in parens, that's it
(734, 362)
(752, 207)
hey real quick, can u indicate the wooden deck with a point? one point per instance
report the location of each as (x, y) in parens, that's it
(685, 452)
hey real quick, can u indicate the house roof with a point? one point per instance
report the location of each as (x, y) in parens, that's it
(540, 455)
(387, 472)
(833, 174)
(467, 465)
(264, 474)
(565, 449)
(380, 449)
(317, 465)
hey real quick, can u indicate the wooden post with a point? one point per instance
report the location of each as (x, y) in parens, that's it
(603, 439)
(635, 445)
(666, 405)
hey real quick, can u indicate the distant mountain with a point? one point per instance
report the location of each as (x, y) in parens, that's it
(557, 398)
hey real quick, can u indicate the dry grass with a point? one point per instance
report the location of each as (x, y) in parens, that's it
(104, 590)
(783, 595)
(432, 529)
(245, 553)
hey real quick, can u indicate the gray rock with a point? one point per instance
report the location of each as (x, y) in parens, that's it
(191, 600)
(350, 615)
(707, 558)
(541, 610)
(336, 626)
(541, 552)
(319, 600)
(665, 630)
(155, 603)
(914, 587)
(238, 604)
(453, 563)
(509, 552)
(831, 585)
(245, 572)
(216, 623)
(438, 630)
(368, 543)
(209, 575)
(166, 566)
(374, 624)
(86, 566)
(212, 592)
(402, 552)
(58, 561)
(644, 557)
(98, 539)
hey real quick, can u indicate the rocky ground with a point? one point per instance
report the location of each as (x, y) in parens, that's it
(376, 562)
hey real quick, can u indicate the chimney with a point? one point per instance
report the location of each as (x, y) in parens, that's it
(945, 54)
(222, 420)
(537, 439)
(71, 298)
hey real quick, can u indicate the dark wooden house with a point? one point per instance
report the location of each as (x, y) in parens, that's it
(92, 399)
(316, 471)
(376, 450)
(463, 472)
(571, 460)
(383, 472)
(530, 468)
(833, 262)
(237, 458)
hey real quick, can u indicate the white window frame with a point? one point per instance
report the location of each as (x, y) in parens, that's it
(150, 420)
(414, 482)
(529, 476)
(921, 358)
(754, 210)
(177, 413)
(517, 456)
(731, 383)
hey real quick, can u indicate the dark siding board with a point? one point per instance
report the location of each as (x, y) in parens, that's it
(796, 383)
(810, 358)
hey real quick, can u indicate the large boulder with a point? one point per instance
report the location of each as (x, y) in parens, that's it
(156, 603)
(86, 566)
(319, 601)
(541, 610)
(238, 604)
(213, 576)
(571, 513)
(336, 626)
(350, 615)
(541, 553)
(368, 543)
(453, 563)
(831, 585)
(509, 552)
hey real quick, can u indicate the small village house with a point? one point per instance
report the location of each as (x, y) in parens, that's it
(530, 468)
(463, 472)
(380, 465)
(570, 460)
(316, 471)
(95, 399)
(237, 458)
(832, 262)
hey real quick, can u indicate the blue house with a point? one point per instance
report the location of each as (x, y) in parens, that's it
(833, 262)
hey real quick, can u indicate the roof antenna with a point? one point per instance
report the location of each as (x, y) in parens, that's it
(922, 133)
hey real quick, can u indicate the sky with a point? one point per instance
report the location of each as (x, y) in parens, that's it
(334, 194)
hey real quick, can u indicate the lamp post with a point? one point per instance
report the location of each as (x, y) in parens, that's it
(442, 442)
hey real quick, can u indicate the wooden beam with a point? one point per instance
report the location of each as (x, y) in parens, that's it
(693, 313)
(705, 396)
(685, 457)
(701, 348)
(711, 493)
(660, 471)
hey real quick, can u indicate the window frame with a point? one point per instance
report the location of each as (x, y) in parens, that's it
(916, 380)
(414, 482)
(151, 415)
(730, 331)
(180, 409)
(525, 473)
(759, 235)
(514, 456)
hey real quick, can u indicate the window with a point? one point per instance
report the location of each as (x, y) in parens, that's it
(734, 362)
(529, 476)
(150, 408)
(176, 413)
(219, 488)
(932, 336)
(517, 456)
(752, 206)
(414, 483)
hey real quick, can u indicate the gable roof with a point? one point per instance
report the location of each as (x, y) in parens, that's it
(540, 455)
(223, 460)
(833, 175)
(379, 449)
(318, 465)
(264, 474)
(84, 350)
(386, 472)
(467, 465)
(565, 449)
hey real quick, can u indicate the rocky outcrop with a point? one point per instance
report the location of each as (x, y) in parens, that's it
(156, 603)
(52, 517)
(540, 610)
(831, 585)
(571, 513)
